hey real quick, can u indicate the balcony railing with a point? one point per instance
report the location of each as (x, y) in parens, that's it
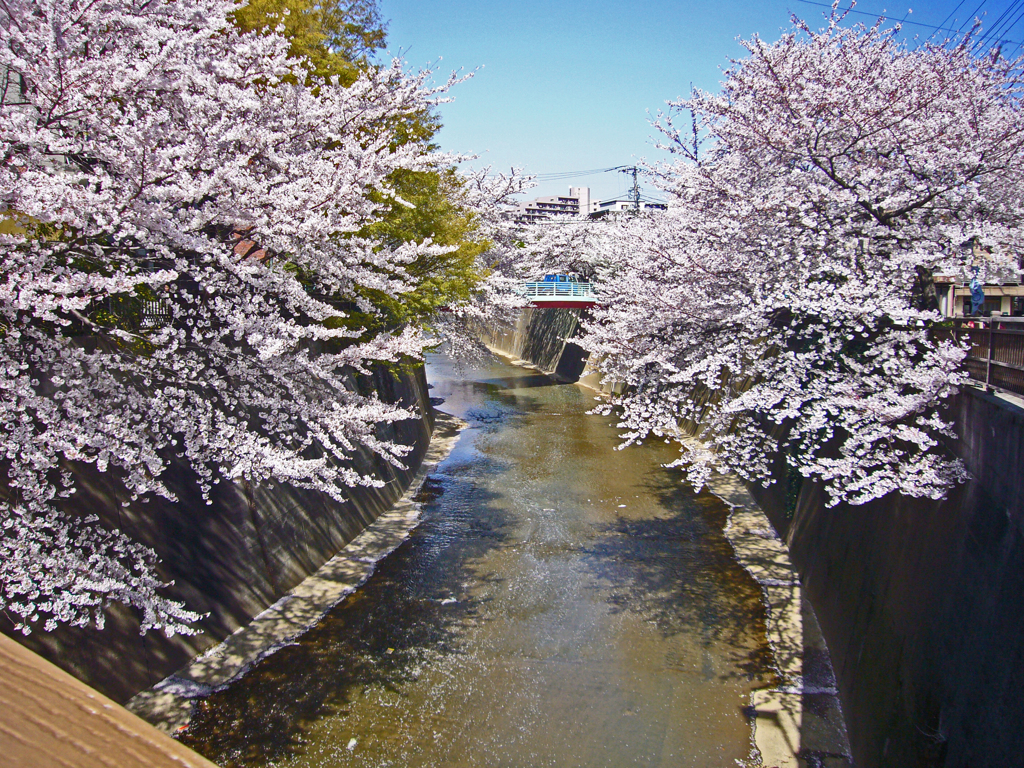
(156, 314)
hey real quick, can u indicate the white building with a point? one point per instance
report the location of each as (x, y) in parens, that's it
(577, 204)
(613, 206)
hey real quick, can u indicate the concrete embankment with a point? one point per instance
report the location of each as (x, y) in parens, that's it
(918, 600)
(233, 558)
(542, 337)
(800, 721)
(169, 704)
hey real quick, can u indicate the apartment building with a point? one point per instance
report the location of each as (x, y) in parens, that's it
(577, 204)
(614, 206)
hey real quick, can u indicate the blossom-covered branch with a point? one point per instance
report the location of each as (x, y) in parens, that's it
(784, 300)
(185, 260)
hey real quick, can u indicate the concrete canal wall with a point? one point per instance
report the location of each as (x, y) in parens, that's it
(918, 600)
(543, 337)
(233, 558)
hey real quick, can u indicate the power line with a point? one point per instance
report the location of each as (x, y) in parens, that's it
(1007, 21)
(571, 174)
(999, 21)
(915, 23)
(1014, 22)
(634, 171)
(950, 16)
(972, 15)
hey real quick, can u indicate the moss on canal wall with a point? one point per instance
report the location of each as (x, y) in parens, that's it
(920, 601)
(233, 558)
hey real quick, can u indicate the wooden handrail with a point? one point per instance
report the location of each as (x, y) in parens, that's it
(1001, 362)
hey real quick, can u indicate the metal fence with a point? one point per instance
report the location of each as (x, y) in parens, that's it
(995, 354)
(155, 314)
(566, 288)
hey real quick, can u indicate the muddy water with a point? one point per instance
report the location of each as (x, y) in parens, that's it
(561, 604)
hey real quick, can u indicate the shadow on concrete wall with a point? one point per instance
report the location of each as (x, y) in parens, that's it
(232, 558)
(920, 603)
(544, 337)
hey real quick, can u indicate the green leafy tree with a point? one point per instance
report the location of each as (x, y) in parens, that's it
(331, 39)
(434, 211)
(338, 39)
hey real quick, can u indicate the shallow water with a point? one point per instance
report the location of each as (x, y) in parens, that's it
(562, 603)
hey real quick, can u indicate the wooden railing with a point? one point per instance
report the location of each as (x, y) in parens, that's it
(995, 355)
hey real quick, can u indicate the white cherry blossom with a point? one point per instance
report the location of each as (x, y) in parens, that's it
(181, 252)
(783, 300)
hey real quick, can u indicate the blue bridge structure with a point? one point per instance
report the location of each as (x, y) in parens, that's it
(560, 292)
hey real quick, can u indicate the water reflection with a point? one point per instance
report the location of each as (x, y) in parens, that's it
(562, 603)
(520, 382)
(673, 571)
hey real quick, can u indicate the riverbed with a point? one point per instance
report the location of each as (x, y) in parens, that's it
(561, 603)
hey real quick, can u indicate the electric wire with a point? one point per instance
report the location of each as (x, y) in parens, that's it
(1006, 22)
(973, 15)
(569, 174)
(880, 16)
(557, 176)
(915, 23)
(950, 16)
(999, 21)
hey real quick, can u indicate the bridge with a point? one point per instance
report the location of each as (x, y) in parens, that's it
(560, 294)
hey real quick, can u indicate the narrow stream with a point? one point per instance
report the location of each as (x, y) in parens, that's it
(561, 604)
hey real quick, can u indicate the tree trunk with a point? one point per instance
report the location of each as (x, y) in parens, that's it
(925, 297)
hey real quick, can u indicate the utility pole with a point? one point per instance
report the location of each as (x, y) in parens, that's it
(635, 191)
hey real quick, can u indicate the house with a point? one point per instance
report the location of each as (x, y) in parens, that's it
(1002, 284)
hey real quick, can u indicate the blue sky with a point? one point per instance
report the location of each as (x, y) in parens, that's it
(564, 85)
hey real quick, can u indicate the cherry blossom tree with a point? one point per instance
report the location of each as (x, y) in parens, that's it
(784, 300)
(501, 264)
(184, 254)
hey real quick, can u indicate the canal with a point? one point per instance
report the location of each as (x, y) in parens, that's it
(562, 603)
